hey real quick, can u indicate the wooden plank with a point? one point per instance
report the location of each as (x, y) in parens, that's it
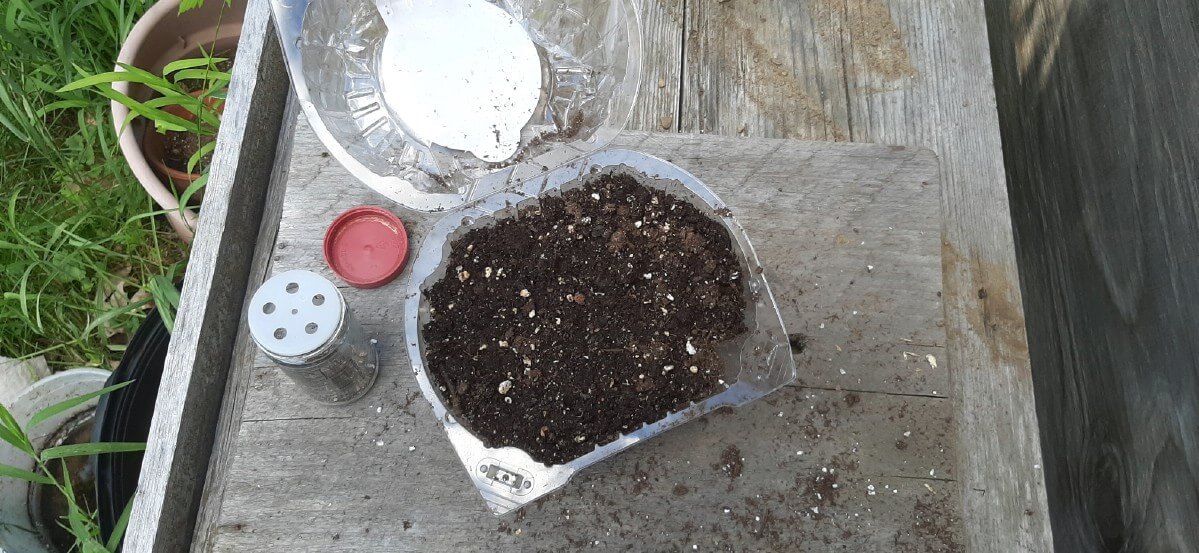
(915, 72)
(244, 350)
(1097, 112)
(657, 105)
(670, 494)
(206, 329)
(764, 69)
(795, 207)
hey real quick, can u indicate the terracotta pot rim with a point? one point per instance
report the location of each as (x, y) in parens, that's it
(160, 36)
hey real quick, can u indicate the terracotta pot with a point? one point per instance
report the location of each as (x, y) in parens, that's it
(154, 150)
(160, 37)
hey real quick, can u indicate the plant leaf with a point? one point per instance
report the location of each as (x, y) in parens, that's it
(61, 406)
(61, 104)
(81, 524)
(118, 531)
(208, 75)
(80, 450)
(188, 63)
(159, 117)
(110, 77)
(189, 5)
(14, 472)
(194, 160)
(11, 432)
(196, 186)
(114, 313)
(166, 299)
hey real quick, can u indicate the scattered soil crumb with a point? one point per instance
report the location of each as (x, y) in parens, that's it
(799, 342)
(730, 462)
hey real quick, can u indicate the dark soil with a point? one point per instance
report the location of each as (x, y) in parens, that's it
(583, 318)
(181, 146)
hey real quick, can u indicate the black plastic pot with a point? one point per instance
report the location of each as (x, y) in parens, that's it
(125, 415)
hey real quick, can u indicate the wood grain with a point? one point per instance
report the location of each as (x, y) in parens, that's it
(839, 72)
(657, 105)
(912, 72)
(801, 202)
(1098, 109)
(206, 329)
(764, 69)
(234, 398)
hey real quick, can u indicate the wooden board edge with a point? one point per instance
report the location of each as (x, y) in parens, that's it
(197, 365)
(229, 423)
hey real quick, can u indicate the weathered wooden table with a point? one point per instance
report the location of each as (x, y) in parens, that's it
(914, 396)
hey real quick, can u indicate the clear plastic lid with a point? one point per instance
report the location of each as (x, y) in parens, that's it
(433, 102)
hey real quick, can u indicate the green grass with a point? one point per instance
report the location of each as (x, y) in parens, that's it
(82, 256)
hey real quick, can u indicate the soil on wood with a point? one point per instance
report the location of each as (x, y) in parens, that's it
(583, 318)
(181, 146)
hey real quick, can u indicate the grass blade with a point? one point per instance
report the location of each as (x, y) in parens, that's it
(118, 531)
(203, 150)
(61, 406)
(114, 313)
(17, 440)
(22, 474)
(189, 63)
(166, 299)
(62, 104)
(11, 432)
(207, 75)
(81, 450)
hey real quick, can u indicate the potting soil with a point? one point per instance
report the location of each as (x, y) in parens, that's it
(584, 317)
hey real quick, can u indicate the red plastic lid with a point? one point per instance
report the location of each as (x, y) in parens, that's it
(366, 246)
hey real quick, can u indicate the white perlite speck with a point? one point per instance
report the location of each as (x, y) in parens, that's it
(690, 348)
(505, 386)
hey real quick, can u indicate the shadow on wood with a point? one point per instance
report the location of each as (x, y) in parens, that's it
(1101, 139)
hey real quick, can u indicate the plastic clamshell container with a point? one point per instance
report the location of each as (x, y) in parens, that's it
(349, 82)
(589, 50)
(758, 363)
